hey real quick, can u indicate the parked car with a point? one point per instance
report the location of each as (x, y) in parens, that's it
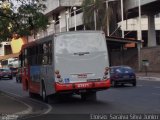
(19, 76)
(5, 73)
(122, 75)
(14, 70)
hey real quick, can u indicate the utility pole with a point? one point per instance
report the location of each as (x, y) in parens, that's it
(139, 21)
(122, 19)
(95, 18)
(107, 17)
(75, 19)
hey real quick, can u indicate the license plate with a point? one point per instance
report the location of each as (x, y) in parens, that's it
(126, 76)
(82, 91)
(6, 76)
(83, 85)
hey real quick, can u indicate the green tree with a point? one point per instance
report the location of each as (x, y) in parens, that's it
(89, 6)
(24, 20)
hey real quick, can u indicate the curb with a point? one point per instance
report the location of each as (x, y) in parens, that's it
(148, 78)
(17, 114)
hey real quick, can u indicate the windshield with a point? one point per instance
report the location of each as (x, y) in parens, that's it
(124, 70)
(79, 43)
(5, 70)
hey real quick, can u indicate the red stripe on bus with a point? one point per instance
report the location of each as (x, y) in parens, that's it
(83, 85)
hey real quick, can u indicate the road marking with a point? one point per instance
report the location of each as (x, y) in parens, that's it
(157, 87)
(27, 111)
(149, 78)
(33, 100)
(156, 94)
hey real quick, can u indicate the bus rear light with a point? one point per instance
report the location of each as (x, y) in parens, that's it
(57, 72)
(60, 80)
(106, 73)
(58, 76)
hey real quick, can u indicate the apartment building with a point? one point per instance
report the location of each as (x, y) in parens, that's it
(63, 15)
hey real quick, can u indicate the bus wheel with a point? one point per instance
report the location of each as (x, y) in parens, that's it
(31, 95)
(44, 97)
(89, 96)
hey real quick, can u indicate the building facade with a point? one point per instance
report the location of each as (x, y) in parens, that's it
(63, 18)
(63, 15)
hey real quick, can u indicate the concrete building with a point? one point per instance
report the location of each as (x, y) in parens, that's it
(150, 22)
(60, 20)
(150, 26)
(62, 15)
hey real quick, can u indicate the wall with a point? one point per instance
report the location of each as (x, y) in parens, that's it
(129, 4)
(71, 2)
(132, 24)
(151, 54)
(51, 5)
(126, 57)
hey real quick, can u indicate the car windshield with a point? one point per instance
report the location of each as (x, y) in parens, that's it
(5, 70)
(13, 69)
(123, 70)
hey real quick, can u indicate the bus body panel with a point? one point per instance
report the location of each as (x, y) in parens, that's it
(81, 68)
(34, 81)
(81, 60)
(47, 74)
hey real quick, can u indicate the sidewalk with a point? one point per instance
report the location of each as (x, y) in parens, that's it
(9, 105)
(150, 76)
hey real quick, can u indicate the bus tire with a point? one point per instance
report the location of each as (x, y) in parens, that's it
(27, 84)
(44, 96)
(31, 95)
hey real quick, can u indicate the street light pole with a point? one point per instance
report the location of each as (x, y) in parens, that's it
(122, 19)
(107, 17)
(53, 22)
(67, 17)
(59, 23)
(75, 19)
(139, 30)
(95, 19)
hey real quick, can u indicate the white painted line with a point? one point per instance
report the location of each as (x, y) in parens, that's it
(157, 87)
(148, 78)
(27, 111)
(33, 100)
(49, 106)
(156, 94)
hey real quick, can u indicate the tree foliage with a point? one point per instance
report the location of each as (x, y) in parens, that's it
(25, 19)
(89, 6)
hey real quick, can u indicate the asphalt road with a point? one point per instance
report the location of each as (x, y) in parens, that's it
(144, 98)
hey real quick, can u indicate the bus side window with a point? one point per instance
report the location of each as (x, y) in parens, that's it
(45, 52)
(20, 59)
(40, 54)
(50, 53)
(25, 58)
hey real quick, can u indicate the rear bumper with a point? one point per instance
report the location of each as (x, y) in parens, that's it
(83, 86)
(6, 76)
(124, 81)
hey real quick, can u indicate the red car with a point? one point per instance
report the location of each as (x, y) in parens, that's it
(5, 73)
(14, 71)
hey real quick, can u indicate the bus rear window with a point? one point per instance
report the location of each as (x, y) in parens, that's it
(81, 42)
